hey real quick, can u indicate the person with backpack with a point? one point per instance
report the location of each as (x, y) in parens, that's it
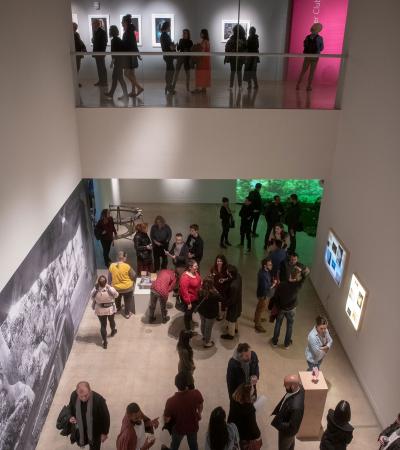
(313, 45)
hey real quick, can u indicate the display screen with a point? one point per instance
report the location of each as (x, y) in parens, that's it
(335, 258)
(355, 301)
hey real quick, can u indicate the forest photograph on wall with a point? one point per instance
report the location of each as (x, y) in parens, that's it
(40, 310)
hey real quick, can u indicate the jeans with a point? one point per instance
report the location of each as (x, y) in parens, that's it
(312, 365)
(154, 298)
(103, 325)
(289, 326)
(158, 253)
(177, 439)
(286, 442)
(129, 302)
(106, 244)
(118, 75)
(206, 328)
(245, 230)
(101, 68)
(225, 231)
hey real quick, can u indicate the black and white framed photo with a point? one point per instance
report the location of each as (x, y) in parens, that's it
(137, 22)
(157, 21)
(227, 28)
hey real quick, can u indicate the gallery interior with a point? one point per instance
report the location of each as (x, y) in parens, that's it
(68, 152)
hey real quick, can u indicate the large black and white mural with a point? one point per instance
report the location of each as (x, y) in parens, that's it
(40, 311)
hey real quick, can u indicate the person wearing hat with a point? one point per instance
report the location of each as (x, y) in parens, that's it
(339, 432)
(313, 45)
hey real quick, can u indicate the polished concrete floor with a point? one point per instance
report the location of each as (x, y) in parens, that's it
(141, 361)
(270, 95)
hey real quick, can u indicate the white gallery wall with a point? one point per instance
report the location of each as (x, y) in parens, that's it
(361, 203)
(40, 164)
(268, 16)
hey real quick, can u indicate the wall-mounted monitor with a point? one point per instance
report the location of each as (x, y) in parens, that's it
(355, 301)
(335, 257)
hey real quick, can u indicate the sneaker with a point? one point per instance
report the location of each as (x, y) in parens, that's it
(274, 344)
(152, 319)
(127, 316)
(226, 336)
(113, 332)
(165, 319)
(287, 346)
(260, 329)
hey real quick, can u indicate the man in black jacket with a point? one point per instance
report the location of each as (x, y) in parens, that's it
(90, 414)
(273, 214)
(293, 220)
(256, 203)
(285, 299)
(246, 219)
(195, 244)
(233, 302)
(242, 368)
(99, 41)
(289, 413)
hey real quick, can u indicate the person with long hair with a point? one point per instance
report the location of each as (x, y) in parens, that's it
(208, 309)
(160, 235)
(203, 66)
(219, 273)
(185, 352)
(189, 287)
(143, 249)
(185, 45)
(105, 232)
(319, 343)
(233, 303)
(339, 432)
(226, 216)
(130, 45)
(278, 233)
(236, 44)
(221, 435)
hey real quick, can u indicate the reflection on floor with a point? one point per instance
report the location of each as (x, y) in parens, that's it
(141, 362)
(270, 95)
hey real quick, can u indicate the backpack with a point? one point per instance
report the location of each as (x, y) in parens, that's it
(310, 44)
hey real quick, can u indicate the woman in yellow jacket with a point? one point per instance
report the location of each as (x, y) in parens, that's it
(122, 278)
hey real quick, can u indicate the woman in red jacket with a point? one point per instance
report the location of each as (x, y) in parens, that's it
(189, 286)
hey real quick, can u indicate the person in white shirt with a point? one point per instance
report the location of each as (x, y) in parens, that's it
(319, 343)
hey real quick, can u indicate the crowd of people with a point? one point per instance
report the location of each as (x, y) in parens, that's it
(244, 68)
(216, 295)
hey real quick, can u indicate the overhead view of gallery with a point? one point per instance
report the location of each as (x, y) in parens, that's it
(195, 200)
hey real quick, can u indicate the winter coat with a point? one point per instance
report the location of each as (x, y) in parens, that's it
(141, 241)
(336, 436)
(235, 375)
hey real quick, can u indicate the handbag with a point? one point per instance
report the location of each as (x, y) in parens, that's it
(179, 304)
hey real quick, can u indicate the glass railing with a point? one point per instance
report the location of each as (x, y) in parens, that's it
(208, 80)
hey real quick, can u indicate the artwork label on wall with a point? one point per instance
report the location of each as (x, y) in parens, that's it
(157, 21)
(227, 28)
(105, 24)
(137, 22)
(355, 301)
(335, 257)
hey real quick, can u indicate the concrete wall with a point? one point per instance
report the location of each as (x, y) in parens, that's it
(361, 203)
(40, 164)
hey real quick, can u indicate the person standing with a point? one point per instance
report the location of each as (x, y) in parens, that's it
(185, 352)
(319, 343)
(160, 235)
(278, 257)
(265, 290)
(203, 66)
(220, 434)
(226, 216)
(391, 434)
(285, 300)
(250, 68)
(243, 368)
(339, 432)
(208, 310)
(292, 262)
(89, 413)
(118, 65)
(99, 41)
(221, 279)
(293, 220)
(168, 46)
(160, 289)
(185, 46)
(143, 249)
(105, 231)
(79, 47)
(134, 427)
(189, 287)
(274, 213)
(289, 413)
(179, 254)
(184, 410)
(195, 244)
(122, 278)
(103, 297)
(246, 216)
(278, 234)
(236, 44)
(313, 45)
(233, 302)
(256, 203)
(131, 62)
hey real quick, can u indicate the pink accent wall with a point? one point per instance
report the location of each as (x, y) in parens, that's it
(332, 15)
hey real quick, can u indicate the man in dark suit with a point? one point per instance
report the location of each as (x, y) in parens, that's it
(99, 41)
(289, 413)
(256, 203)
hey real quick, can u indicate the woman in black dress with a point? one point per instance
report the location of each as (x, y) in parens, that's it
(185, 45)
(226, 217)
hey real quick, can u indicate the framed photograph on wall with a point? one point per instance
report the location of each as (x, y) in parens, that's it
(355, 303)
(336, 257)
(137, 22)
(227, 28)
(157, 21)
(105, 24)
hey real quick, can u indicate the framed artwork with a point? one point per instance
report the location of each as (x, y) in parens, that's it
(105, 24)
(227, 28)
(157, 21)
(137, 21)
(75, 18)
(335, 257)
(355, 301)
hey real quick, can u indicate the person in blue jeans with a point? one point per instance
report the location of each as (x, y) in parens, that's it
(319, 343)
(285, 300)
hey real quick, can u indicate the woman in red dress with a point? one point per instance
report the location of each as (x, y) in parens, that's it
(203, 66)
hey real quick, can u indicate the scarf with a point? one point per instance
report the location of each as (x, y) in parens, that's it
(89, 420)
